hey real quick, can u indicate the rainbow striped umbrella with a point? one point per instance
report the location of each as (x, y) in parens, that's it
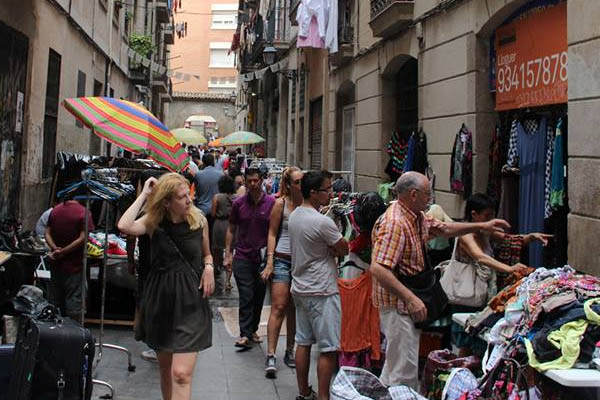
(130, 126)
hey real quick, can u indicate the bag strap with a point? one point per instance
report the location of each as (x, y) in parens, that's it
(456, 239)
(185, 261)
(280, 222)
(453, 373)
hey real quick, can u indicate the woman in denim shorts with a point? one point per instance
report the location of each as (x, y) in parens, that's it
(278, 270)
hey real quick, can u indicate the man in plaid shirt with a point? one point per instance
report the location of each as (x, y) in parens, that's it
(399, 238)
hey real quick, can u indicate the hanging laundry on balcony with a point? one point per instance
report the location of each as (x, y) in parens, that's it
(312, 39)
(318, 24)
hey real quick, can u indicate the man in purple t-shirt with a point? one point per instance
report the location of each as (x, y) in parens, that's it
(249, 220)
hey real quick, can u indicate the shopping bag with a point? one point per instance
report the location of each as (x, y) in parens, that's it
(445, 360)
(358, 384)
(461, 380)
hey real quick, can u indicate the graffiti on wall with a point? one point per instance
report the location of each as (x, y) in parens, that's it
(13, 48)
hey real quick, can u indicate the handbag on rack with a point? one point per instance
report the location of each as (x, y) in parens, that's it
(465, 284)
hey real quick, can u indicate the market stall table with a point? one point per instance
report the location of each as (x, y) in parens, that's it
(589, 378)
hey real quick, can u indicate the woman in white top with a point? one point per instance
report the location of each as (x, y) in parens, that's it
(278, 269)
(477, 248)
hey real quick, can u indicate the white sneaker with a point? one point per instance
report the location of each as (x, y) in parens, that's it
(149, 355)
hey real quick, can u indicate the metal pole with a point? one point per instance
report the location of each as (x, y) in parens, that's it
(84, 271)
(103, 290)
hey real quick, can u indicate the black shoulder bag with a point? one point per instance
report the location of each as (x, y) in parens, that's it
(426, 286)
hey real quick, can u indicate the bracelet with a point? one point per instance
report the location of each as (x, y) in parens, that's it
(211, 264)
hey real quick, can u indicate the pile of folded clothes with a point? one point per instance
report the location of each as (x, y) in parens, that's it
(554, 313)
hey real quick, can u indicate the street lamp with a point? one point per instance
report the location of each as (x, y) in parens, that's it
(269, 54)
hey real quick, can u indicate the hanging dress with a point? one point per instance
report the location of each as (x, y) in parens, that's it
(531, 150)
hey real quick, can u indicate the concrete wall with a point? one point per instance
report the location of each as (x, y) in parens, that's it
(48, 28)
(182, 108)
(453, 59)
(584, 146)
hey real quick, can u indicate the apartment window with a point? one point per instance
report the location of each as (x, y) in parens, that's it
(224, 21)
(227, 83)
(224, 16)
(219, 57)
(80, 92)
(51, 114)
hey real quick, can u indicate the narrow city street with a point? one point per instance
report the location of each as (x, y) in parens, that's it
(222, 372)
(410, 187)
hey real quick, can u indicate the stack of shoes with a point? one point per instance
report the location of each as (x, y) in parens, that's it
(29, 243)
(116, 245)
(116, 251)
(4, 256)
(94, 251)
(8, 236)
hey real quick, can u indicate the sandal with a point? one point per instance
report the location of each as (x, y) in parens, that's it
(243, 343)
(256, 338)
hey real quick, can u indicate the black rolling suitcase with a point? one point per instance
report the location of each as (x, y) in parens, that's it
(52, 361)
(6, 356)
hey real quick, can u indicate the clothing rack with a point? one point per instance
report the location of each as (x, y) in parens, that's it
(87, 185)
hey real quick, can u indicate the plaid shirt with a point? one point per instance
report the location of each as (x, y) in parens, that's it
(398, 245)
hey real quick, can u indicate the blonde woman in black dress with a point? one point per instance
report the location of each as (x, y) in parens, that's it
(175, 316)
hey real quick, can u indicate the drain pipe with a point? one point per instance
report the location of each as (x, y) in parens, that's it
(108, 64)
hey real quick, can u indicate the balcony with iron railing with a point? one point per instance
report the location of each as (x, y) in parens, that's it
(161, 83)
(169, 33)
(163, 11)
(294, 11)
(278, 25)
(346, 45)
(389, 17)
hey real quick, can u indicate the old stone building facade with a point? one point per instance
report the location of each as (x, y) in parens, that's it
(426, 65)
(58, 49)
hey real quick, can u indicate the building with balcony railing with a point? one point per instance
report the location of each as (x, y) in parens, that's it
(430, 65)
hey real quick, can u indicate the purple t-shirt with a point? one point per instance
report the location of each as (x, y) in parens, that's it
(252, 221)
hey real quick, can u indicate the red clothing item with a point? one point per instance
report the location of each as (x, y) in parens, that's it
(226, 164)
(67, 221)
(360, 319)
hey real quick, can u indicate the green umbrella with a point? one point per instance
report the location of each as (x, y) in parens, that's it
(189, 136)
(240, 138)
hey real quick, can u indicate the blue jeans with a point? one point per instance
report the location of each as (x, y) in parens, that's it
(252, 291)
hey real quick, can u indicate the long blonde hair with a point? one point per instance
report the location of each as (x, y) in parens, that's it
(164, 189)
(286, 181)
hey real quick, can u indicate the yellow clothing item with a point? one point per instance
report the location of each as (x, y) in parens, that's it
(567, 340)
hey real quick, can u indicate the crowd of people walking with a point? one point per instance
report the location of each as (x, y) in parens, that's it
(230, 226)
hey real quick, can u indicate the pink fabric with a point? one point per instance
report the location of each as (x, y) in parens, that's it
(313, 39)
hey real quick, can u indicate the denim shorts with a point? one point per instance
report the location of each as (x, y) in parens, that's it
(282, 270)
(319, 320)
